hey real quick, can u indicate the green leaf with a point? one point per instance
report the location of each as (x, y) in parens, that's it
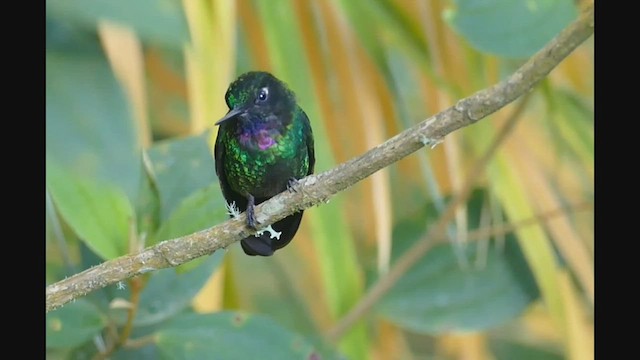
(181, 167)
(504, 350)
(64, 37)
(279, 283)
(89, 130)
(437, 295)
(99, 213)
(73, 324)
(58, 261)
(169, 291)
(149, 352)
(510, 28)
(203, 209)
(230, 335)
(158, 21)
(148, 208)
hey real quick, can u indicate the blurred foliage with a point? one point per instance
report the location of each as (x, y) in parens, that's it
(438, 294)
(133, 89)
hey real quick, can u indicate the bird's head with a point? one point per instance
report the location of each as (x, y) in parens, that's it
(258, 96)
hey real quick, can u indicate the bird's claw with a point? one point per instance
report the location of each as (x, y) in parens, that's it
(251, 216)
(292, 184)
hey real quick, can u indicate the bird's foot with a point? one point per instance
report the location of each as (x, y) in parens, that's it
(272, 233)
(292, 185)
(251, 216)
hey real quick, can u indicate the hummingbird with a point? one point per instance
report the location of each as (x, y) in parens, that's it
(263, 147)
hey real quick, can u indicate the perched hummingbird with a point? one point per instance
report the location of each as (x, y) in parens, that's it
(264, 145)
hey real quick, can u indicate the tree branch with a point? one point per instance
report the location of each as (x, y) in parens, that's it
(316, 189)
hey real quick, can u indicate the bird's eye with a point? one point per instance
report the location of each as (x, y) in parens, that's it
(263, 94)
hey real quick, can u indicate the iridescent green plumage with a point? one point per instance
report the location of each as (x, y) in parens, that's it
(264, 143)
(250, 169)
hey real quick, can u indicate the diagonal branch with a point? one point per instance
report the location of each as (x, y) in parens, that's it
(316, 189)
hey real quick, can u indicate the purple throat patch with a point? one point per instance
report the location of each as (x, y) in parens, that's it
(265, 140)
(262, 138)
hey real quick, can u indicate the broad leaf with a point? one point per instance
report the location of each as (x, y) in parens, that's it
(73, 324)
(230, 335)
(99, 213)
(157, 21)
(438, 295)
(180, 168)
(170, 291)
(90, 131)
(505, 350)
(510, 28)
(203, 209)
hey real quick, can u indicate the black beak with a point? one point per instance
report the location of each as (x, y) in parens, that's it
(230, 115)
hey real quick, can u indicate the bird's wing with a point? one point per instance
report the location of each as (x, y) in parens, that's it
(228, 193)
(309, 141)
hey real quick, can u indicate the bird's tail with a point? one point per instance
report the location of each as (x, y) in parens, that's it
(265, 244)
